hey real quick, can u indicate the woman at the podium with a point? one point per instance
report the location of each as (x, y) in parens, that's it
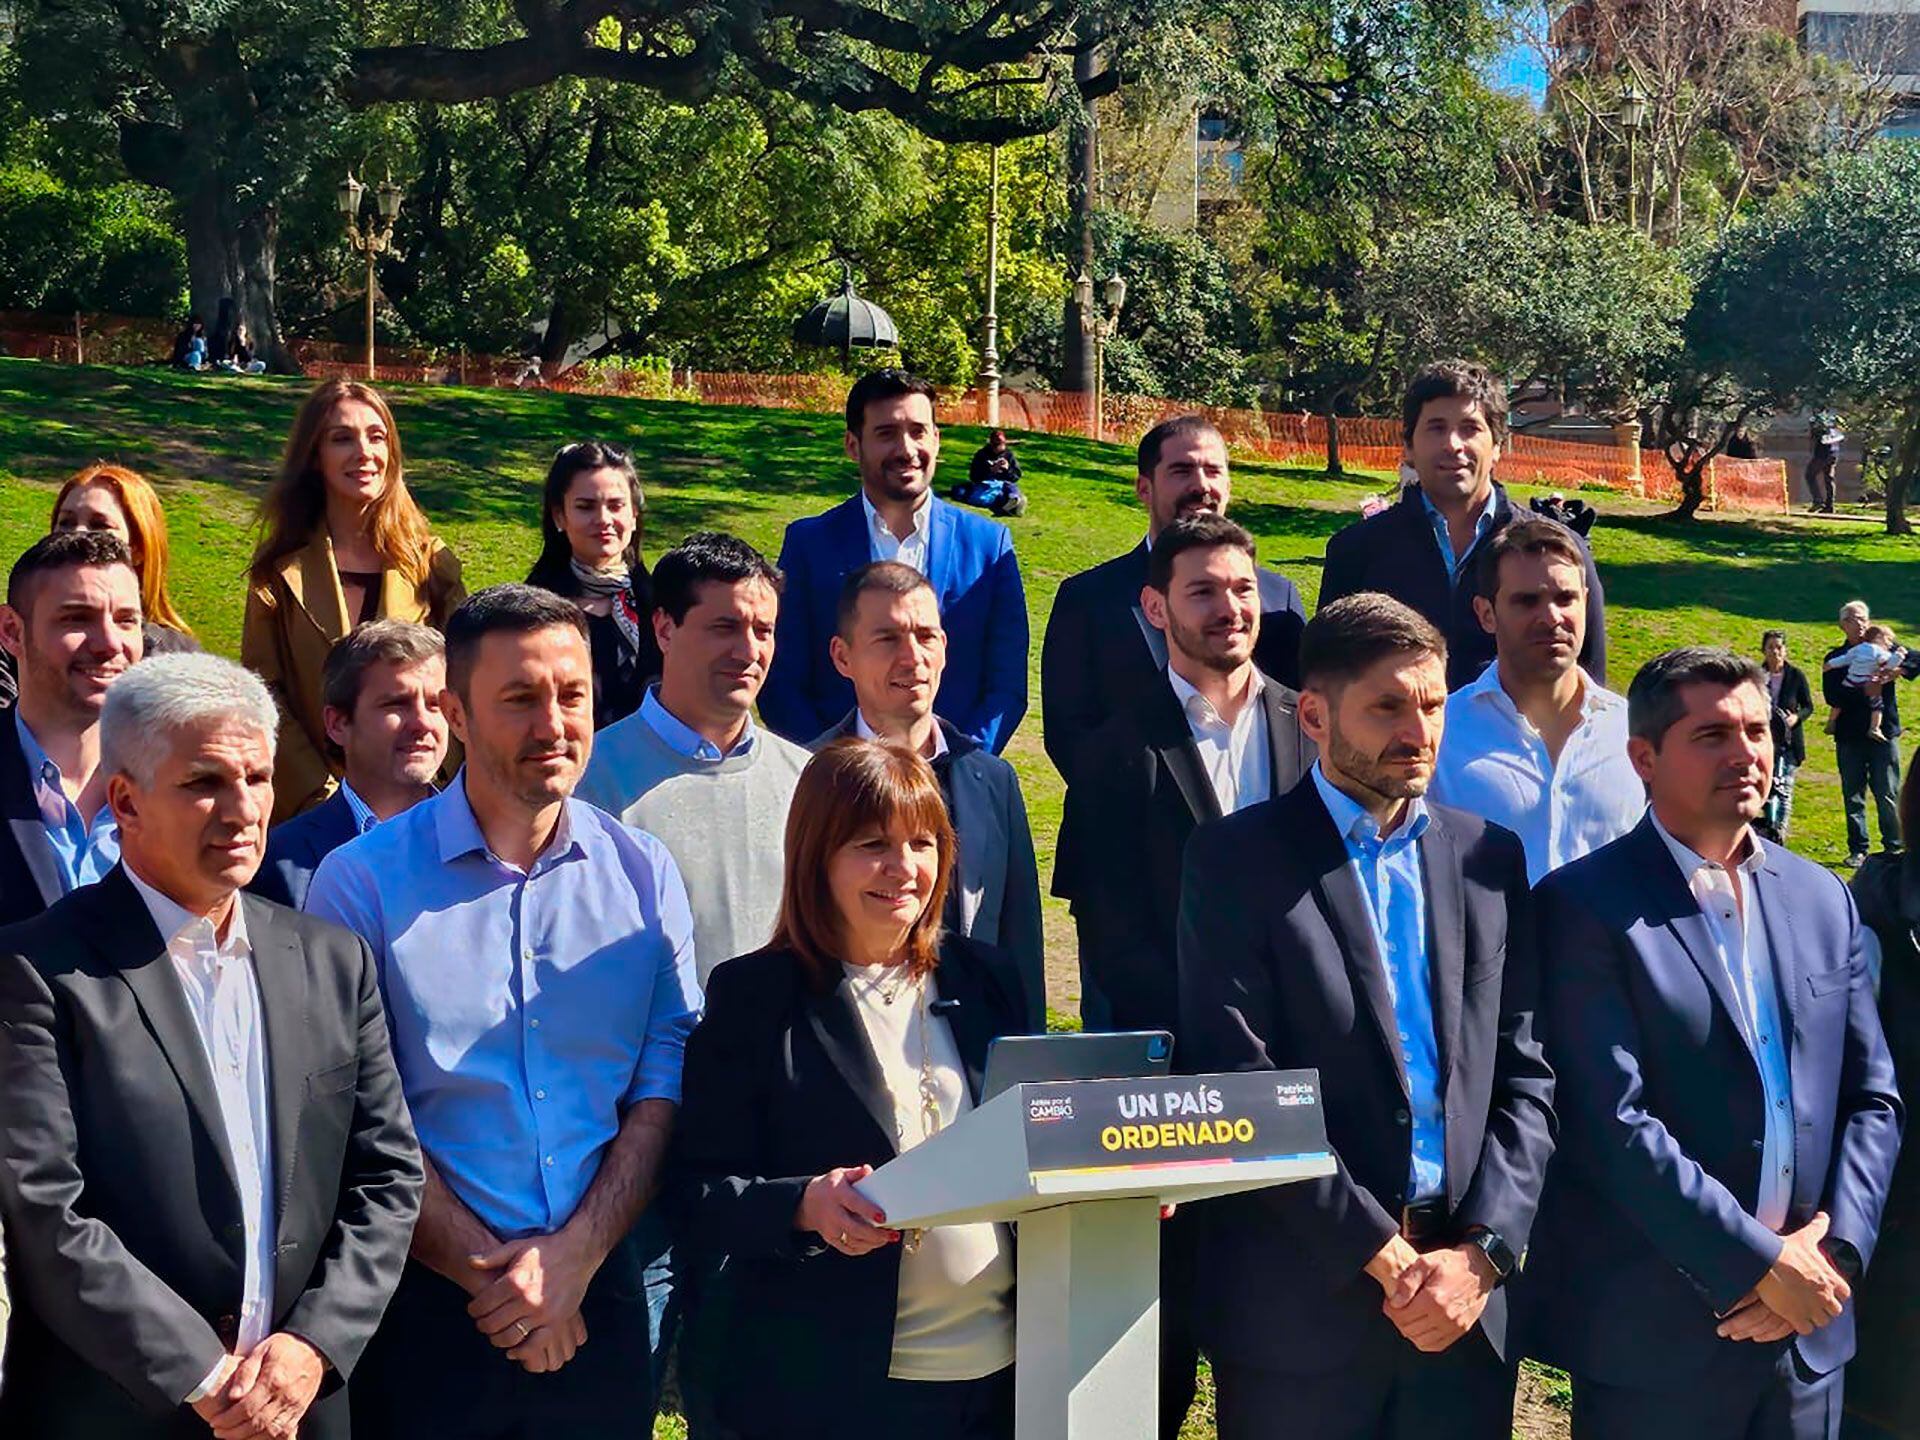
(859, 1032)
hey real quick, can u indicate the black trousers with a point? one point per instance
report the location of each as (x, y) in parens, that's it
(429, 1373)
(1869, 765)
(943, 1409)
(1751, 1392)
(1820, 480)
(1179, 1349)
(1387, 1391)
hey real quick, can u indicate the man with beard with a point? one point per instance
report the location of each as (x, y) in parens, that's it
(968, 559)
(537, 961)
(1536, 744)
(1213, 737)
(1730, 1121)
(1421, 551)
(1352, 928)
(72, 625)
(1102, 655)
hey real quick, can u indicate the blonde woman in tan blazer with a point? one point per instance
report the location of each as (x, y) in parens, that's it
(342, 542)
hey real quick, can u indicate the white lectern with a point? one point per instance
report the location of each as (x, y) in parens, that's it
(1083, 1166)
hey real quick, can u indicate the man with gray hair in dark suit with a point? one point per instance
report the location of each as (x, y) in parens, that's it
(207, 1172)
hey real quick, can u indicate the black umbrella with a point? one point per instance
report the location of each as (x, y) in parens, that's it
(845, 320)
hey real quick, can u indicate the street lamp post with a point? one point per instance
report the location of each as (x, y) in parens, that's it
(1099, 328)
(1633, 115)
(990, 351)
(376, 238)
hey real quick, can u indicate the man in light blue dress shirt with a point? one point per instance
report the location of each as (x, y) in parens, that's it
(538, 966)
(72, 625)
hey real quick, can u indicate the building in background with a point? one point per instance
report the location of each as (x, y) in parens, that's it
(1880, 38)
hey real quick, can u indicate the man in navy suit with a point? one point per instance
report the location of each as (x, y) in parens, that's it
(967, 558)
(1352, 928)
(380, 691)
(1728, 1111)
(1422, 550)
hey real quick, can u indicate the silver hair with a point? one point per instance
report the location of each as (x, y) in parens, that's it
(158, 697)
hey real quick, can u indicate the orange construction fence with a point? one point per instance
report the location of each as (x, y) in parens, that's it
(1751, 486)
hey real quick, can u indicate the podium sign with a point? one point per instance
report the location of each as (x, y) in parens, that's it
(1083, 1167)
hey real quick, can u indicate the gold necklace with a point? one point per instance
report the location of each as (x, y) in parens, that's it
(929, 1102)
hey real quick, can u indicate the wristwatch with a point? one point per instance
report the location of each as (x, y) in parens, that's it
(1499, 1255)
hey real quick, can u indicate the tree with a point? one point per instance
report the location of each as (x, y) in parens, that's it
(1817, 300)
(224, 104)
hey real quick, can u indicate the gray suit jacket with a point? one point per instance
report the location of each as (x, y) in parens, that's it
(128, 1248)
(995, 893)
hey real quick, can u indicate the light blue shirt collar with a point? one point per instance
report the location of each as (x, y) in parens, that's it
(457, 828)
(683, 739)
(1356, 825)
(363, 817)
(1444, 538)
(85, 847)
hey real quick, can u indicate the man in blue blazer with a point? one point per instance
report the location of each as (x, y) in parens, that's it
(1729, 1121)
(381, 690)
(893, 438)
(1352, 928)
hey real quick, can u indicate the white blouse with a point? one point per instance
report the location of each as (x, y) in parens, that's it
(954, 1317)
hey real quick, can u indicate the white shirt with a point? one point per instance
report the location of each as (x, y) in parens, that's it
(867, 732)
(1494, 764)
(1727, 901)
(216, 978)
(885, 545)
(953, 1319)
(1238, 760)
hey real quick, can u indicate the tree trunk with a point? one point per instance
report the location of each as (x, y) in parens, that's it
(234, 258)
(1906, 461)
(1334, 467)
(1077, 357)
(1693, 489)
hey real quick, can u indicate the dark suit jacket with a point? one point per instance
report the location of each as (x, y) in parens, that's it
(780, 1085)
(982, 607)
(296, 847)
(994, 896)
(29, 868)
(1647, 1231)
(1279, 970)
(1143, 791)
(1796, 698)
(126, 1250)
(1394, 553)
(1096, 660)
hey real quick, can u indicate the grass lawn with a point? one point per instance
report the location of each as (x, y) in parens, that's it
(476, 458)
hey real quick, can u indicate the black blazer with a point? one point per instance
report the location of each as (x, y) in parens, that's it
(1394, 553)
(1279, 970)
(1796, 698)
(296, 847)
(1143, 792)
(29, 868)
(780, 1085)
(1096, 661)
(125, 1247)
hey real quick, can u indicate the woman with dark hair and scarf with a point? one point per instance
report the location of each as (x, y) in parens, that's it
(591, 518)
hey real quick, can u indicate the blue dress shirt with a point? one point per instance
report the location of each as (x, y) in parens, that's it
(682, 738)
(529, 1010)
(1394, 885)
(1440, 533)
(85, 852)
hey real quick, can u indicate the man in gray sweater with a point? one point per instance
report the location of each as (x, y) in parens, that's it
(690, 766)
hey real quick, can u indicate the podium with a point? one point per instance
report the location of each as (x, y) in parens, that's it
(1082, 1167)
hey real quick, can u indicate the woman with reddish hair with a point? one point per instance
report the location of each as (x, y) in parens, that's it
(858, 1033)
(341, 542)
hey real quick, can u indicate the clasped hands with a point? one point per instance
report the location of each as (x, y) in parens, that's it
(1432, 1298)
(527, 1296)
(1799, 1294)
(265, 1392)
